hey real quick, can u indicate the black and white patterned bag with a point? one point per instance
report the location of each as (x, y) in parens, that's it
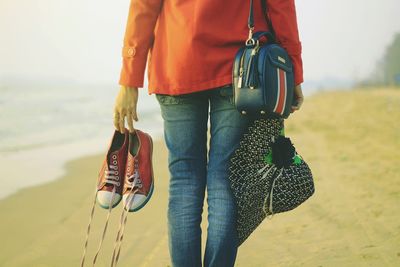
(267, 176)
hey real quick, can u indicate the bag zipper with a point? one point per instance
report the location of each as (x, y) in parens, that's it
(240, 80)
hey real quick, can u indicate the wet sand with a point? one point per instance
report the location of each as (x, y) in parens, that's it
(351, 140)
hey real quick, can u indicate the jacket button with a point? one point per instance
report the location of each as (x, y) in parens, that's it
(131, 51)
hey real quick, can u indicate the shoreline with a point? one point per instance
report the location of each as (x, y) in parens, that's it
(34, 167)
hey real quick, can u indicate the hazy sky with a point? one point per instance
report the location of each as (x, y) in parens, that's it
(81, 40)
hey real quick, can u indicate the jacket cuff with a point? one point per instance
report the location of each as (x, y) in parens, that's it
(133, 67)
(294, 51)
(298, 69)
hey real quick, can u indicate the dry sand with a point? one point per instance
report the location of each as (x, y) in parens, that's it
(351, 140)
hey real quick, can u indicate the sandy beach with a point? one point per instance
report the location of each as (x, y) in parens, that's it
(350, 139)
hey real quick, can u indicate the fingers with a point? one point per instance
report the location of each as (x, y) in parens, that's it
(125, 106)
(116, 120)
(130, 122)
(299, 102)
(121, 121)
(298, 94)
(295, 108)
(134, 115)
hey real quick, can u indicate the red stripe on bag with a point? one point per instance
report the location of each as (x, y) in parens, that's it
(282, 92)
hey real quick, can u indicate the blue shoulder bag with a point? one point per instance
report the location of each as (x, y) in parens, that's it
(263, 78)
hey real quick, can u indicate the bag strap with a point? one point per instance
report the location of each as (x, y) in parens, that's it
(267, 18)
(250, 21)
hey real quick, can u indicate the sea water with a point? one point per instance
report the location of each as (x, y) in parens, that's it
(43, 126)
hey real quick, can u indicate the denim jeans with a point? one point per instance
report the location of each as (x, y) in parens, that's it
(194, 169)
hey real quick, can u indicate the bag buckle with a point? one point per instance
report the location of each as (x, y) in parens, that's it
(250, 41)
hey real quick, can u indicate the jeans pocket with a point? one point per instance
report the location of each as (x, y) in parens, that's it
(168, 99)
(226, 92)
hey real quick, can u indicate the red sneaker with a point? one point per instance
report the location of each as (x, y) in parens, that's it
(113, 170)
(139, 171)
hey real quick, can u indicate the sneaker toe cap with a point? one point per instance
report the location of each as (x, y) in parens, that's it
(136, 202)
(104, 198)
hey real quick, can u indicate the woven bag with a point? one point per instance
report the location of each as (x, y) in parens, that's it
(264, 179)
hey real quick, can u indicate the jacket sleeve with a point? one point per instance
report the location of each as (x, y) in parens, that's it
(139, 36)
(282, 14)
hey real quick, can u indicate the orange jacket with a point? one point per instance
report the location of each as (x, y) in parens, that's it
(191, 44)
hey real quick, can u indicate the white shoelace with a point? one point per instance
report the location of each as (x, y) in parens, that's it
(111, 177)
(121, 228)
(89, 227)
(134, 183)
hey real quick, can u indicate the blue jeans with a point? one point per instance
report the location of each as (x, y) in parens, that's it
(194, 168)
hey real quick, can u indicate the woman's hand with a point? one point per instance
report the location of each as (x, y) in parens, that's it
(298, 98)
(125, 106)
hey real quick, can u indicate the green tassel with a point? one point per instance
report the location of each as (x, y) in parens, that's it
(297, 159)
(268, 158)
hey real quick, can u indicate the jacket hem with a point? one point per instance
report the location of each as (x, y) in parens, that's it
(180, 89)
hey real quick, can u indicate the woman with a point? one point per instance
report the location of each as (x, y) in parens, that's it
(191, 45)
